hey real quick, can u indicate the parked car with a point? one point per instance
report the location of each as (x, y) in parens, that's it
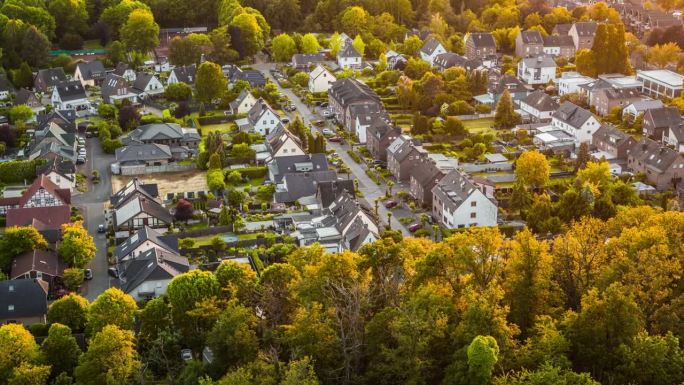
(113, 271)
(328, 132)
(328, 114)
(413, 227)
(101, 228)
(88, 274)
(80, 160)
(336, 139)
(324, 104)
(186, 354)
(391, 203)
(293, 107)
(284, 120)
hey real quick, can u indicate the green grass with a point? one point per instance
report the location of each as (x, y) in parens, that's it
(92, 44)
(222, 128)
(206, 240)
(480, 126)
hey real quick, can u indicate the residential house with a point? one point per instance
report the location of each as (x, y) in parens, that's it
(426, 173)
(633, 110)
(379, 135)
(303, 61)
(170, 134)
(243, 103)
(347, 92)
(48, 78)
(480, 45)
(559, 46)
(134, 188)
(657, 121)
(28, 98)
(576, 122)
(115, 88)
(402, 154)
(6, 87)
(539, 106)
(283, 143)
(607, 99)
(148, 274)
(662, 166)
(612, 144)
(430, 49)
(570, 82)
(282, 165)
(90, 74)
(54, 138)
(302, 184)
(328, 192)
(349, 58)
(363, 115)
(183, 74)
(395, 60)
(661, 83)
(516, 88)
(70, 95)
(447, 60)
(458, 203)
(674, 137)
(583, 34)
(261, 118)
(138, 212)
(320, 79)
(41, 193)
(143, 240)
(61, 171)
(146, 85)
(125, 71)
(133, 159)
(537, 70)
(23, 301)
(607, 81)
(529, 43)
(255, 78)
(38, 264)
(561, 29)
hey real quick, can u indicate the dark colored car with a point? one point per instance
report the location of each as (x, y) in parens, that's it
(113, 271)
(324, 104)
(391, 203)
(413, 227)
(336, 139)
(100, 228)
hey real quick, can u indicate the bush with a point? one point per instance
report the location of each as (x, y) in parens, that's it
(178, 92)
(71, 41)
(73, 278)
(215, 180)
(19, 171)
(254, 172)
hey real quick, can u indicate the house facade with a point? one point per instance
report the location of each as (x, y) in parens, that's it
(320, 79)
(661, 83)
(431, 49)
(70, 95)
(662, 166)
(583, 34)
(576, 122)
(539, 106)
(458, 203)
(349, 58)
(537, 70)
(401, 155)
(480, 45)
(529, 43)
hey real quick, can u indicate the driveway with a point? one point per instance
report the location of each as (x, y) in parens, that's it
(370, 190)
(92, 205)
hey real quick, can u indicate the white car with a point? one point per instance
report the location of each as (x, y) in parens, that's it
(327, 131)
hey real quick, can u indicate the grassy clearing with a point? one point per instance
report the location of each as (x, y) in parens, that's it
(480, 126)
(223, 128)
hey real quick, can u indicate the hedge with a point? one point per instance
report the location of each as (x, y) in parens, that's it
(19, 171)
(251, 172)
(202, 120)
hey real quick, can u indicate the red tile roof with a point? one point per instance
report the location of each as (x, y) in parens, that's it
(43, 182)
(42, 218)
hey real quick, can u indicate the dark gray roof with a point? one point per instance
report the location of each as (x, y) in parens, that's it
(236, 103)
(483, 39)
(430, 45)
(572, 114)
(426, 173)
(70, 90)
(654, 155)
(163, 131)
(258, 109)
(328, 191)
(121, 69)
(348, 51)
(283, 165)
(185, 74)
(166, 242)
(142, 79)
(303, 59)
(60, 165)
(253, 77)
(111, 86)
(350, 90)
(142, 152)
(453, 189)
(367, 112)
(558, 41)
(24, 96)
(539, 62)
(22, 298)
(356, 234)
(401, 148)
(152, 265)
(541, 101)
(139, 204)
(379, 128)
(302, 184)
(510, 82)
(92, 70)
(611, 134)
(134, 187)
(562, 29)
(531, 37)
(586, 28)
(450, 59)
(52, 76)
(664, 116)
(621, 93)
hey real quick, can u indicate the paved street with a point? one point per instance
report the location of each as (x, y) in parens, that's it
(368, 188)
(92, 204)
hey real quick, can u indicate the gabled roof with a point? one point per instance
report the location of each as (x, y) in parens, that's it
(562, 29)
(401, 147)
(348, 51)
(283, 165)
(253, 77)
(664, 116)
(450, 59)
(121, 69)
(539, 62)
(328, 191)
(586, 28)
(91, 70)
(278, 137)
(482, 39)
(541, 101)
(610, 134)
(655, 156)
(44, 261)
(24, 96)
(380, 128)
(453, 189)
(302, 185)
(70, 90)
(304, 59)
(643, 105)
(112, 84)
(41, 218)
(152, 265)
(23, 298)
(430, 45)
(185, 74)
(163, 131)
(559, 41)
(42, 182)
(509, 82)
(320, 70)
(621, 93)
(572, 114)
(134, 187)
(258, 109)
(51, 76)
(349, 90)
(143, 152)
(165, 242)
(142, 79)
(531, 37)
(137, 205)
(236, 103)
(61, 166)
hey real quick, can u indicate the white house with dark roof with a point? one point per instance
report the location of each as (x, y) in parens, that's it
(183, 74)
(458, 203)
(529, 43)
(90, 73)
(537, 70)
(430, 49)
(147, 84)
(281, 142)
(639, 107)
(320, 79)
(149, 274)
(349, 58)
(70, 96)
(576, 122)
(674, 137)
(243, 103)
(143, 240)
(539, 106)
(125, 71)
(138, 212)
(170, 134)
(115, 88)
(261, 118)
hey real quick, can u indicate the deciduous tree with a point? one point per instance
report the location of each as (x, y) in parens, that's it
(113, 307)
(140, 33)
(532, 169)
(77, 247)
(111, 358)
(210, 83)
(60, 350)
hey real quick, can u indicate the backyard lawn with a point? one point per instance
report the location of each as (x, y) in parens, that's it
(222, 128)
(206, 240)
(480, 126)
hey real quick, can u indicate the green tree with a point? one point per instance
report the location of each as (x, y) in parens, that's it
(29, 374)
(70, 310)
(300, 372)
(23, 77)
(110, 359)
(335, 44)
(283, 47)
(113, 307)
(483, 353)
(17, 240)
(532, 169)
(237, 281)
(359, 45)
(70, 16)
(60, 350)
(177, 92)
(210, 83)
(73, 278)
(20, 114)
(652, 360)
(252, 36)
(505, 116)
(310, 44)
(233, 338)
(355, 20)
(18, 347)
(77, 247)
(140, 33)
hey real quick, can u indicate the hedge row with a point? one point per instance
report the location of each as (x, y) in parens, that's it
(19, 171)
(202, 120)
(252, 172)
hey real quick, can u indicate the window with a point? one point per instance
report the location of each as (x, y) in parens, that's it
(473, 215)
(473, 203)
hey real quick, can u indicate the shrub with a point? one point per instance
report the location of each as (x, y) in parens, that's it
(18, 171)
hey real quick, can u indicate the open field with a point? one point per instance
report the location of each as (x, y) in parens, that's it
(222, 128)
(479, 126)
(168, 182)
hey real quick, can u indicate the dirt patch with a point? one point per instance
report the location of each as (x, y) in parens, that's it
(176, 182)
